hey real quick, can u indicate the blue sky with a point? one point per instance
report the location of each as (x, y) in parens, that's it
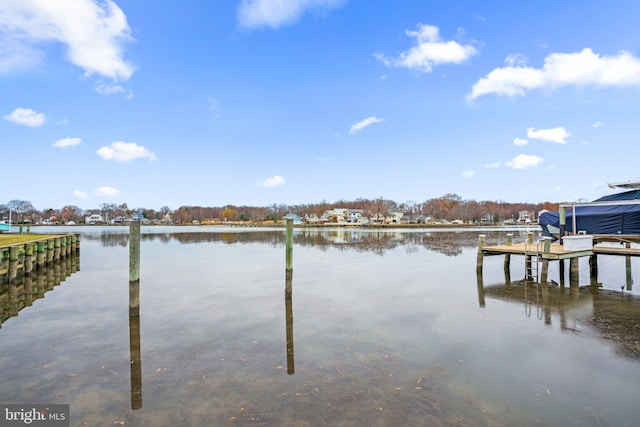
(255, 102)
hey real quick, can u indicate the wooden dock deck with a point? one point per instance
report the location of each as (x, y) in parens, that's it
(557, 251)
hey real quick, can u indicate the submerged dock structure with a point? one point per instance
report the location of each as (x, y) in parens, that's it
(539, 253)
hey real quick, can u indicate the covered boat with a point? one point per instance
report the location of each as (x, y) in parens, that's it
(613, 214)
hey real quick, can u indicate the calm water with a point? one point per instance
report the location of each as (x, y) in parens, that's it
(389, 328)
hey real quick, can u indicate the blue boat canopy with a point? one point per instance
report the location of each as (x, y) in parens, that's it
(600, 218)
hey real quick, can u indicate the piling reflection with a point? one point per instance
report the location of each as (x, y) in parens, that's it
(24, 290)
(612, 314)
(136, 361)
(288, 304)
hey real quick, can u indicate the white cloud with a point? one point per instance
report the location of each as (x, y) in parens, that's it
(557, 135)
(515, 59)
(598, 124)
(584, 68)
(363, 124)
(67, 142)
(80, 194)
(106, 191)
(494, 165)
(27, 117)
(125, 152)
(520, 142)
(276, 13)
(523, 161)
(468, 174)
(93, 32)
(112, 89)
(274, 181)
(430, 50)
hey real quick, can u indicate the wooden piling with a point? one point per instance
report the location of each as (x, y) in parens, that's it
(574, 272)
(289, 244)
(134, 251)
(13, 263)
(50, 250)
(41, 254)
(28, 258)
(546, 248)
(134, 315)
(482, 241)
(134, 268)
(57, 242)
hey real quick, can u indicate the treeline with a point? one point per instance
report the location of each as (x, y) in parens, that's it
(448, 207)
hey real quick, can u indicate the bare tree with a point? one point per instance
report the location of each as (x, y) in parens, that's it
(21, 207)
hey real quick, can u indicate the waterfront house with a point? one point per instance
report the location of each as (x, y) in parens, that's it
(94, 219)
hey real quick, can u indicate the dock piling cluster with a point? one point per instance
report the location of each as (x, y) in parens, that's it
(30, 257)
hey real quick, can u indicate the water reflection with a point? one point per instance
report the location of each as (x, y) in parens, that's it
(448, 242)
(613, 315)
(392, 340)
(25, 290)
(134, 348)
(288, 303)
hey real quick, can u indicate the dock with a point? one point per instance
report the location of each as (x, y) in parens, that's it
(25, 258)
(539, 253)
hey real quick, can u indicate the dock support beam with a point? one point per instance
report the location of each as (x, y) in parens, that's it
(574, 272)
(544, 276)
(593, 269)
(507, 260)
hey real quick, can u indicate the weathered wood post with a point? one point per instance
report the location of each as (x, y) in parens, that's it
(41, 255)
(63, 246)
(563, 220)
(134, 315)
(482, 241)
(50, 250)
(28, 258)
(289, 244)
(544, 276)
(574, 272)
(134, 267)
(13, 263)
(57, 242)
(288, 292)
